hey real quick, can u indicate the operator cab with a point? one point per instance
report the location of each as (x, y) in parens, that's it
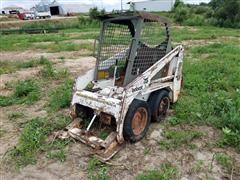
(129, 44)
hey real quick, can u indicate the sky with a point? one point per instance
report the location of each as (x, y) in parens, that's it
(106, 4)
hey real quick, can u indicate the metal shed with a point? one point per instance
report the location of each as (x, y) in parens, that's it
(57, 8)
(152, 5)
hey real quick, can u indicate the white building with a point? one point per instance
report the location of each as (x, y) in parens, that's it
(152, 5)
(64, 8)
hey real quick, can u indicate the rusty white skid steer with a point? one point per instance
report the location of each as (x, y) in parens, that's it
(136, 77)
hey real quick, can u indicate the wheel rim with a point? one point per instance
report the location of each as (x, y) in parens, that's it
(163, 107)
(139, 121)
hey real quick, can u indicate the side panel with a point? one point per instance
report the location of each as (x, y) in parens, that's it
(145, 84)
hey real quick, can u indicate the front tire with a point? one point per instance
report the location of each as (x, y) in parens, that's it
(137, 121)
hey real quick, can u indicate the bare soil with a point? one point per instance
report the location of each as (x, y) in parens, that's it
(35, 54)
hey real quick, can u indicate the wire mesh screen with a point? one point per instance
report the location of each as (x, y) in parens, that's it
(152, 46)
(114, 47)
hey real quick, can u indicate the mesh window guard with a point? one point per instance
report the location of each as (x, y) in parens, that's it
(152, 46)
(115, 46)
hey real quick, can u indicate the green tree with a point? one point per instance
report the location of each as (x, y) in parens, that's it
(95, 12)
(177, 4)
(226, 12)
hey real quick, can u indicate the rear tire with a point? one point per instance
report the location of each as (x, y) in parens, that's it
(137, 121)
(159, 102)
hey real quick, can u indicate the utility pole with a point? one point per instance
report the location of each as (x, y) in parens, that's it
(121, 6)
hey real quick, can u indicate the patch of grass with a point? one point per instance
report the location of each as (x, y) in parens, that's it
(25, 92)
(225, 161)
(6, 67)
(198, 167)
(6, 101)
(56, 150)
(211, 93)
(57, 154)
(19, 42)
(2, 132)
(177, 138)
(33, 140)
(27, 64)
(33, 63)
(103, 135)
(10, 67)
(229, 138)
(61, 96)
(202, 32)
(15, 115)
(166, 172)
(48, 71)
(97, 170)
(63, 46)
(60, 121)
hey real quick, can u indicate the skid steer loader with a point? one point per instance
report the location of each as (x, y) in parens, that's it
(137, 75)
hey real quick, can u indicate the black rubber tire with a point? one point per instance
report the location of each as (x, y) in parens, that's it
(154, 103)
(128, 133)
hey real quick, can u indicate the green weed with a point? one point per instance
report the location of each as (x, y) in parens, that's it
(63, 46)
(166, 172)
(10, 67)
(56, 150)
(33, 139)
(57, 154)
(60, 122)
(48, 71)
(6, 101)
(6, 67)
(2, 132)
(15, 115)
(97, 170)
(177, 138)
(61, 96)
(33, 63)
(225, 161)
(19, 42)
(103, 135)
(25, 92)
(211, 94)
(202, 32)
(229, 138)
(198, 167)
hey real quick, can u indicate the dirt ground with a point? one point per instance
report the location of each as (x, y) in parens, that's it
(133, 159)
(130, 161)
